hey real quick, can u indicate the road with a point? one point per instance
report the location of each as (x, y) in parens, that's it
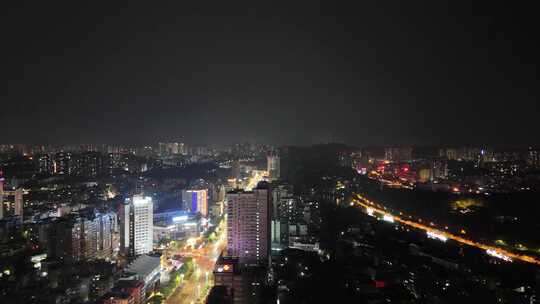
(374, 207)
(192, 290)
(256, 177)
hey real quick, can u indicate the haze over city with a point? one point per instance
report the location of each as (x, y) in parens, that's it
(365, 73)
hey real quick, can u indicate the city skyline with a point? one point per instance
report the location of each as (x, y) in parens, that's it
(263, 152)
(252, 222)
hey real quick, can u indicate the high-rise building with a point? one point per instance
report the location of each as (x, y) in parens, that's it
(238, 283)
(107, 235)
(533, 157)
(273, 167)
(398, 154)
(451, 154)
(18, 200)
(279, 224)
(1, 195)
(196, 201)
(44, 163)
(63, 163)
(439, 170)
(81, 237)
(87, 230)
(248, 225)
(89, 164)
(137, 220)
(173, 148)
(221, 193)
(169, 149)
(425, 175)
(61, 241)
(227, 273)
(13, 200)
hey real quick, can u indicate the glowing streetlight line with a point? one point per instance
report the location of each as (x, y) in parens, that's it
(496, 251)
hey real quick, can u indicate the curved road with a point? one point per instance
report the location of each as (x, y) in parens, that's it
(364, 202)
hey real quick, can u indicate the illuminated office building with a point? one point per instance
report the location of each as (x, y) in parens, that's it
(136, 234)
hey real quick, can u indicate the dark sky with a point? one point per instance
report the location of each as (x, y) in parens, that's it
(203, 72)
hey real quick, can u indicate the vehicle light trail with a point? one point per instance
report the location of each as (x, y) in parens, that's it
(493, 251)
(498, 255)
(436, 236)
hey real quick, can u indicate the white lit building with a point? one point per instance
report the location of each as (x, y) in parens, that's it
(136, 227)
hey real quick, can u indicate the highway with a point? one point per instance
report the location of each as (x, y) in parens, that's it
(373, 207)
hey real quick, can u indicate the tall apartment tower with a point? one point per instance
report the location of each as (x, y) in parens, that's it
(196, 201)
(136, 229)
(81, 237)
(281, 194)
(86, 230)
(13, 199)
(273, 166)
(1, 196)
(18, 202)
(248, 225)
(107, 231)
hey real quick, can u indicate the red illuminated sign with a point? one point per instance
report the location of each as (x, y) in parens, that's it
(380, 284)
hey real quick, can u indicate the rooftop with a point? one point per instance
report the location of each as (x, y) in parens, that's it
(144, 265)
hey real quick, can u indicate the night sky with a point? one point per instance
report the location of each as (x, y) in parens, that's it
(384, 73)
